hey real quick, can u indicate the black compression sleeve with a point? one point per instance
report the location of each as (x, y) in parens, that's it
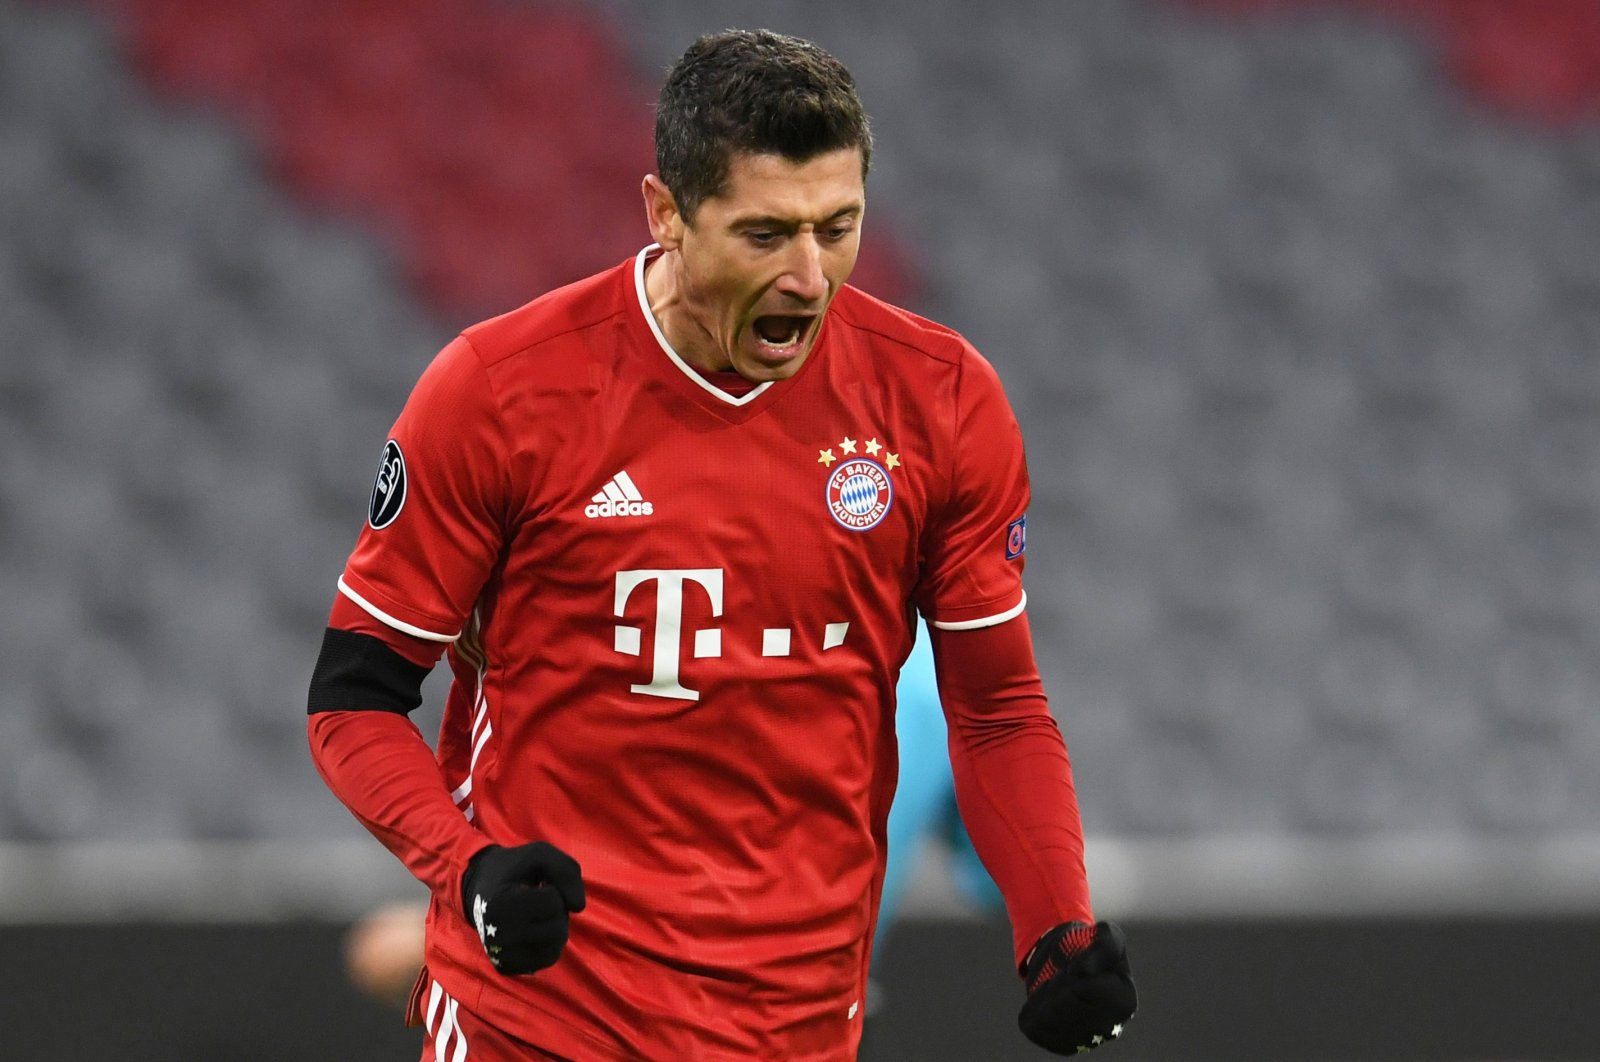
(358, 673)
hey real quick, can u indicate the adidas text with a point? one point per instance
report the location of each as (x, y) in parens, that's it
(618, 508)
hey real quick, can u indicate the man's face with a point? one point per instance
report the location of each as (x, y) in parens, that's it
(760, 263)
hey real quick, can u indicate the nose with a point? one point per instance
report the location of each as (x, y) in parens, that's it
(803, 278)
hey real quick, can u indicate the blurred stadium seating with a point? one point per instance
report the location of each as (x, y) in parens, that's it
(1298, 302)
(1302, 336)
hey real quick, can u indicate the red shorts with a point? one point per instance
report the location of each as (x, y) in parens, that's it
(455, 1034)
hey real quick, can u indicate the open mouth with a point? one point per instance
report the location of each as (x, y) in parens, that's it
(781, 332)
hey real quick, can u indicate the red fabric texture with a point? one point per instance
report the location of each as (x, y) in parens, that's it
(453, 1031)
(379, 766)
(1013, 777)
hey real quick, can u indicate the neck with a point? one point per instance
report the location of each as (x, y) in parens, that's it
(663, 290)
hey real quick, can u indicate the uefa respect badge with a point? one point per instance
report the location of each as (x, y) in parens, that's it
(859, 493)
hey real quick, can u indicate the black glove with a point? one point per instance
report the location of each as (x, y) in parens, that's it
(1079, 988)
(519, 899)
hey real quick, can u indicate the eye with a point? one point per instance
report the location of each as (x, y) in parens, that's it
(835, 233)
(761, 237)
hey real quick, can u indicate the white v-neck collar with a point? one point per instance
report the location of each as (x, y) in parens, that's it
(687, 369)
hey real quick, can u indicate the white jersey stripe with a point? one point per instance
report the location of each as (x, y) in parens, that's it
(383, 617)
(987, 621)
(447, 1028)
(477, 749)
(626, 483)
(482, 730)
(481, 719)
(433, 1005)
(461, 1035)
(480, 709)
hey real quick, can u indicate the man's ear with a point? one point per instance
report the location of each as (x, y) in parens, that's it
(661, 212)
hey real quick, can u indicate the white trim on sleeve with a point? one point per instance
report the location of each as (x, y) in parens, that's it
(383, 617)
(987, 621)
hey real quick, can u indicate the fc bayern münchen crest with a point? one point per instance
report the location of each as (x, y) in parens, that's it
(859, 493)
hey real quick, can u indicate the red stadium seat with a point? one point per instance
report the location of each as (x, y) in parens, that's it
(1539, 61)
(501, 152)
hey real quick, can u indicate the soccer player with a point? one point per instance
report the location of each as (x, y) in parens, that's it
(672, 524)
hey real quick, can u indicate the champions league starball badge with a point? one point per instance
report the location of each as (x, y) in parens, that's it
(859, 493)
(389, 491)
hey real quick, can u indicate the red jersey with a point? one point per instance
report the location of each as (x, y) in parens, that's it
(678, 618)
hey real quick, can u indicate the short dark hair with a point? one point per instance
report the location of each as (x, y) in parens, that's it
(752, 92)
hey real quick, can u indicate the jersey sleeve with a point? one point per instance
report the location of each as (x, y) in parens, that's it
(1013, 777)
(972, 548)
(379, 767)
(438, 513)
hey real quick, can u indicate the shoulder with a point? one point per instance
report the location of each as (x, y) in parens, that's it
(555, 323)
(885, 324)
(515, 365)
(929, 350)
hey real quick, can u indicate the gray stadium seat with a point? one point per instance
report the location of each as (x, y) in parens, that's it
(1303, 346)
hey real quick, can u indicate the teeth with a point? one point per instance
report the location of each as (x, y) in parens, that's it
(793, 336)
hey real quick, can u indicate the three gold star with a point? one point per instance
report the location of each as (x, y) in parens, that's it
(848, 445)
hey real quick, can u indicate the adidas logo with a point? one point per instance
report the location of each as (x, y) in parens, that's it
(619, 497)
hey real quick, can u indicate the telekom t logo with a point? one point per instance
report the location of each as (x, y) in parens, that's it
(667, 644)
(669, 625)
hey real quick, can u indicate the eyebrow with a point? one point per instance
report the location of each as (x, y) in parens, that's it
(773, 221)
